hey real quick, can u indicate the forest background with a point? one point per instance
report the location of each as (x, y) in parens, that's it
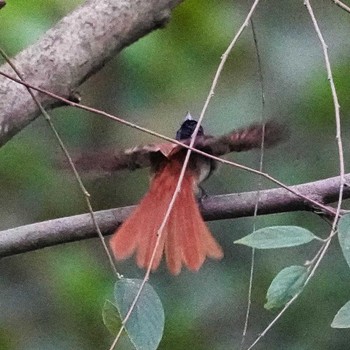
(52, 298)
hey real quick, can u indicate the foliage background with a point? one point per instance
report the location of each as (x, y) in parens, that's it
(52, 299)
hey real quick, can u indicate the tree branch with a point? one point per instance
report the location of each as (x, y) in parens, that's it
(74, 49)
(48, 233)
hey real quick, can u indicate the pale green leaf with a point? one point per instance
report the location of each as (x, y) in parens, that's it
(342, 318)
(146, 323)
(285, 286)
(344, 236)
(277, 237)
(111, 317)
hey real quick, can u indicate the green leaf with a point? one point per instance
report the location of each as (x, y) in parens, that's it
(146, 323)
(111, 317)
(277, 237)
(285, 286)
(342, 318)
(344, 236)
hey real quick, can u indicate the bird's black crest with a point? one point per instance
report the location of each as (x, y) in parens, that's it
(186, 130)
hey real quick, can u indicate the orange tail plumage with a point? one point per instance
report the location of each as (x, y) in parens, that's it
(185, 240)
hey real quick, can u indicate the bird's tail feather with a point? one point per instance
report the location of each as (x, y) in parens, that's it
(185, 240)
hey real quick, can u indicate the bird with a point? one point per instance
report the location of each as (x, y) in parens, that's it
(185, 240)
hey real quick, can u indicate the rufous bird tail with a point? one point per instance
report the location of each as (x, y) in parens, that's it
(185, 239)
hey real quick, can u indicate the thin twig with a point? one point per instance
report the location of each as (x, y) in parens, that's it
(89, 109)
(342, 5)
(159, 237)
(223, 161)
(321, 253)
(338, 129)
(224, 58)
(259, 186)
(116, 339)
(336, 110)
(315, 262)
(187, 158)
(67, 155)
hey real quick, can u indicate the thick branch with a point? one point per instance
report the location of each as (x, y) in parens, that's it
(74, 228)
(78, 46)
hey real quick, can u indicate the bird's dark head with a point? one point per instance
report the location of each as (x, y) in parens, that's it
(187, 128)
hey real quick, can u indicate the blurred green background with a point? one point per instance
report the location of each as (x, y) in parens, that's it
(52, 299)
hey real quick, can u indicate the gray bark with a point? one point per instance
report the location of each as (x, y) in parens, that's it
(44, 234)
(74, 49)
